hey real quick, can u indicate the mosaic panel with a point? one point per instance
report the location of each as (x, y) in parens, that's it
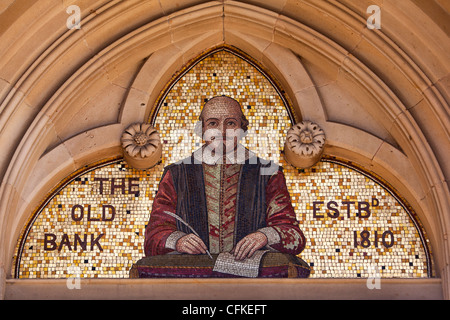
(95, 223)
(355, 227)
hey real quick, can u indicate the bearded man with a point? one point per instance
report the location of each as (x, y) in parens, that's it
(235, 201)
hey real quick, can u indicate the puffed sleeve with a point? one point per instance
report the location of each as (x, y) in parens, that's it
(282, 231)
(161, 232)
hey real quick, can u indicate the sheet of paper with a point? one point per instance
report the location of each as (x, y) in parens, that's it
(248, 267)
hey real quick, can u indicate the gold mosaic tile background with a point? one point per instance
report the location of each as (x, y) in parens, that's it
(119, 237)
(222, 74)
(355, 228)
(335, 248)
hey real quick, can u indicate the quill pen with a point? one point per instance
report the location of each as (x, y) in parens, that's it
(187, 225)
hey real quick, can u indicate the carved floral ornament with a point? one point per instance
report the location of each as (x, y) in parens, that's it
(141, 146)
(304, 144)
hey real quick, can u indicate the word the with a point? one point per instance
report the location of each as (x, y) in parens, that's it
(364, 239)
(118, 184)
(362, 208)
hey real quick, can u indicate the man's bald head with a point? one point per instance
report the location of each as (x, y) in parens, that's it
(223, 106)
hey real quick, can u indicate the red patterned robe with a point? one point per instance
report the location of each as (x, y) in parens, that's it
(224, 221)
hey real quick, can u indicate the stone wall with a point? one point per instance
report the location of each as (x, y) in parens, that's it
(381, 95)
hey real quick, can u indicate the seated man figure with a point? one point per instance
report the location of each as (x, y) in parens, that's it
(235, 201)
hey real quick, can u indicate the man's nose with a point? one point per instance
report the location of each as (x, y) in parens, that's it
(222, 128)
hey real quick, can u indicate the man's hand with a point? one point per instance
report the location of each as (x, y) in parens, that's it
(248, 245)
(190, 244)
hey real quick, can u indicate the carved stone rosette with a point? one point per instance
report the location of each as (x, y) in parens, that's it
(141, 146)
(304, 144)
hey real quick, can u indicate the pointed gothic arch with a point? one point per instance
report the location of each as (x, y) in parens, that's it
(405, 89)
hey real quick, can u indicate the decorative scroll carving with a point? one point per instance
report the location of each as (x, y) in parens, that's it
(304, 144)
(141, 145)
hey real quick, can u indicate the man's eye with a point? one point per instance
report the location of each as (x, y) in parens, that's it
(231, 123)
(212, 123)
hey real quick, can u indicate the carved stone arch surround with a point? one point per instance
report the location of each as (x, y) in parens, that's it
(161, 47)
